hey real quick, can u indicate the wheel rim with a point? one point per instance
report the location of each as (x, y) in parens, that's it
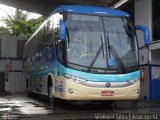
(51, 96)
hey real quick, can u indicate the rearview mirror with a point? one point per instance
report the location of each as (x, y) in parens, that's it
(146, 34)
(62, 30)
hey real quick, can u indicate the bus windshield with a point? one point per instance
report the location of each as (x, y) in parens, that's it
(101, 44)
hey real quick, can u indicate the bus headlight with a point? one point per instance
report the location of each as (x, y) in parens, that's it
(74, 79)
(134, 80)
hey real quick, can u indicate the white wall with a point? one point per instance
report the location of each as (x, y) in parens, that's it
(143, 16)
(16, 81)
(17, 65)
(2, 65)
(143, 56)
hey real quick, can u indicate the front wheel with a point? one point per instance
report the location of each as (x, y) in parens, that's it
(51, 97)
(52, 100)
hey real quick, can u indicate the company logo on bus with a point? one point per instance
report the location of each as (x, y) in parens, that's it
(107, 84)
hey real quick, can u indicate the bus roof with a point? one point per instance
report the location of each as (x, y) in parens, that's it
(91, 10)
(88, 10)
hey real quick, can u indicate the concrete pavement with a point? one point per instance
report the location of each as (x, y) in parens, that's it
(38, 108)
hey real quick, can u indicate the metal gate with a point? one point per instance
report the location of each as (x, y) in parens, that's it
(2, 81)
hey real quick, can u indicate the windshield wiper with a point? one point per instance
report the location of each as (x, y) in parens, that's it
(97, 54)
(117, 58)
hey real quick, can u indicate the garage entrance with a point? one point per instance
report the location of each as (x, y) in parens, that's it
(2, 82)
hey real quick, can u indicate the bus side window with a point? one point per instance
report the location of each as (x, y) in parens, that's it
(60, 45)
(61, 51)
(47, 53)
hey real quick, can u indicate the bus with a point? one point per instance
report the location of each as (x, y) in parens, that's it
(85, 53)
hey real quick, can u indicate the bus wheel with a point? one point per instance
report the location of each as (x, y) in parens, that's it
(50, 95)
(53, 101)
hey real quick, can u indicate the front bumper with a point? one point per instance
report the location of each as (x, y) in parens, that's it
(75, 91)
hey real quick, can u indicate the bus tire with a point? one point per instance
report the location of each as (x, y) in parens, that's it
(53, 100)
(50, 95)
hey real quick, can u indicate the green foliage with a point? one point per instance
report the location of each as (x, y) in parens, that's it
(4, 31)
(20, 26)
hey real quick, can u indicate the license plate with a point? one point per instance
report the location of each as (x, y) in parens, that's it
(107, 93)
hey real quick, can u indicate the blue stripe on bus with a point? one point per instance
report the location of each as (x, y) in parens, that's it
(99, 77)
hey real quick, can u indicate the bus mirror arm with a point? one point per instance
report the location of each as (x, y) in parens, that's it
(146, 34)
(62, 30)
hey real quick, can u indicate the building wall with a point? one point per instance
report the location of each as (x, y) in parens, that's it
(11, 65)
(144, 59)
(150, 87)
(8, 47)
(16, 82)
(156, 61)
(143, 16)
